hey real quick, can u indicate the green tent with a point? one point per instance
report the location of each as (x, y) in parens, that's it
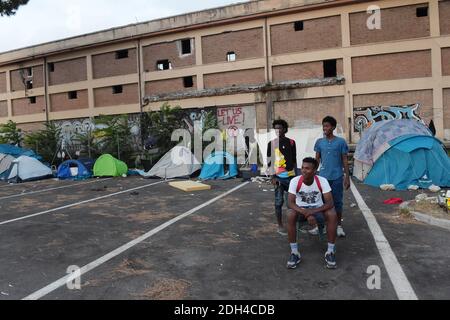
(108, 166)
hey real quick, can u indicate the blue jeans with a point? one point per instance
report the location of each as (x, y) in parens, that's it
(337, 189)
(281, 193)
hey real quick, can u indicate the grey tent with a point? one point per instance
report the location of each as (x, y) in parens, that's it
(178, 162)
(26, 169)
(5, 162)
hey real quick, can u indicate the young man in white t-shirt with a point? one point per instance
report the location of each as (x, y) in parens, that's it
(310, 199)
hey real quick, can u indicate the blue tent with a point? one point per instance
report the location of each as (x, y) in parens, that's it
(17, 152)
(75, 169)
(214, 167)
(411, 160)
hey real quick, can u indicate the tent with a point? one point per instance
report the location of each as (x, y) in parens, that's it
(27, 169)
(108, 166)
(74, 169)
(178, 162)
(214, 167)
(401, 153)
(5, 163)
(17, 152)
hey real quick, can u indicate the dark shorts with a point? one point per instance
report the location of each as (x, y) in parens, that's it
(320, 218)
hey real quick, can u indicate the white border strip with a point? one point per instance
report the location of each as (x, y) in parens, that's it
(79, 203)
(398, 278)
(52, 189)
(67, 279)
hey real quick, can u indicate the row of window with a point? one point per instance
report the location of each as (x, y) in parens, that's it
(420, 12)
(329, 71)
(188, 82)
(73, 95)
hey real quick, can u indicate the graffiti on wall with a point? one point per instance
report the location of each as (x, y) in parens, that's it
(235, 123)
(190, 116)
(236, 119)
(73, 127)
(366, 116)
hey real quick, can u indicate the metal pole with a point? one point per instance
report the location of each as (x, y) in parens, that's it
(118, 146)
(89, 144)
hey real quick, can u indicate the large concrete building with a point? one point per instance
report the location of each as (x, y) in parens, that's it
(251, 62)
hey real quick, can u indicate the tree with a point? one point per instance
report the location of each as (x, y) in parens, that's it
(46, 142)
(161, 124)
(113, 136)
(9, 7)
(10, 134)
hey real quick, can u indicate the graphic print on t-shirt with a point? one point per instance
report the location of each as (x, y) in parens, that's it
(310, 197)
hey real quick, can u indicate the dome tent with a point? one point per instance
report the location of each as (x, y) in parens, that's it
(177, 163)
(108, 166)
(401, 153)
(25, 169)
(74, 169)
(214, 167)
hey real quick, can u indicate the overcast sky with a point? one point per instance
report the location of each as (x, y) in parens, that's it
(47, 20)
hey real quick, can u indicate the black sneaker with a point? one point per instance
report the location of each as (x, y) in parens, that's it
(330, 259)
(294, 261)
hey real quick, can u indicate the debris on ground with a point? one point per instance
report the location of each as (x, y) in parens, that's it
(353, 205)
(394, 201)
(387, 187)
(421, 197)
(100, 189)
(413, 188)
(260, 180)
(190, 186)
(134, 193)
(434, 188)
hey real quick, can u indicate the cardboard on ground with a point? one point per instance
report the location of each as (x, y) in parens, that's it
(189, 186)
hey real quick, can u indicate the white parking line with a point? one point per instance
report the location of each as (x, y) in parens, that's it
(398, 278)
(51, 189)
(69, 278)
(79, 203)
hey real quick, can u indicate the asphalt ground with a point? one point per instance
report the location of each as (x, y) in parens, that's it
(224, 247)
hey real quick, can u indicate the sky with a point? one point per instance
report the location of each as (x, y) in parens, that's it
(48, 20)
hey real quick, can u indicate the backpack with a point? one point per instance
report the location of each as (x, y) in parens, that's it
(300, 184)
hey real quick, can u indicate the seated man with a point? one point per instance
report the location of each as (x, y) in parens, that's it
(310, 199)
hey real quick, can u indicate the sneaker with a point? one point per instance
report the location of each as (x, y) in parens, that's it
(340, 232)
(315, 231)
(294, 261)
(282, 232)
(330, 260)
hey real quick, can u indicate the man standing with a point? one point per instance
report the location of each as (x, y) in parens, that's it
(282, 157)
(310, 199)
(332, 154)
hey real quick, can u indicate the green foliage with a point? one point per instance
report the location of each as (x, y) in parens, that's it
(10, 134)
(210, 121)
(90, 144)
(113, 135)
(9, 7)
(162, 124)
(45, 142)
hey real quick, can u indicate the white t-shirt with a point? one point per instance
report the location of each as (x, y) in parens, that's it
(309, 196)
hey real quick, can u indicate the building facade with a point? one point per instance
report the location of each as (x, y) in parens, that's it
(252, 62)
